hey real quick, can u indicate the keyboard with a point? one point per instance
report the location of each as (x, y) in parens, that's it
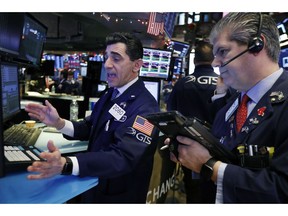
(18, 158)
(21, 135)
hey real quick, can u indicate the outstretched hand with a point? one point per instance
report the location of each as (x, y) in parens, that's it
(44, 113)
(52, 165)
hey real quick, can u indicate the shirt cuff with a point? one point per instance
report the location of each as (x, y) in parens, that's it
(220, 175)
(68, 128)
(75, 170)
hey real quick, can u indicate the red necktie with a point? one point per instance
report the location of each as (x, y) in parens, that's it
(242, 113)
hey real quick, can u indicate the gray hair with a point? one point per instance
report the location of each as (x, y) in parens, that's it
(243, 27)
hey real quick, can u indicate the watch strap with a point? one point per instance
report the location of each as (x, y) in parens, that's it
(68, 167)
(206, 171)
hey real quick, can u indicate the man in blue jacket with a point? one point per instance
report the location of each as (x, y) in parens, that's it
(122, 142)
(246, 48)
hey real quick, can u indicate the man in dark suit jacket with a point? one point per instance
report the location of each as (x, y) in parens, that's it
(246, 48)
(122, 142)
(191, 96)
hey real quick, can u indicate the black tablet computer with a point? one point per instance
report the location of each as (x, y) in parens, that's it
(173, 123)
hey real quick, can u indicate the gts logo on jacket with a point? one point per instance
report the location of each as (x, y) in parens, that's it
(140, 136)
(204, 80)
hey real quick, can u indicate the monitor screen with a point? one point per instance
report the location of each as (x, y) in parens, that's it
(32, 42)
(180, 49)
(10, 35)
(10, 90)
(283, 58)
(177, 65)
(156, 63)
(153, 87)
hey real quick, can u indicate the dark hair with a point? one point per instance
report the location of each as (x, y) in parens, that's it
(134, 47)
(204, 52)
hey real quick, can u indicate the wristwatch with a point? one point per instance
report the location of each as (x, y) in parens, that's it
(68, 167)
(207, 169)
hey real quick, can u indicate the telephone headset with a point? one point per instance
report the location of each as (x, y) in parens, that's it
(254, 46)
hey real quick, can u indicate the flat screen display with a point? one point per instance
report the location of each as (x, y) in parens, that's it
(283, 59)
(10, 90)
(177, 65)
(156, 63)
(180, 49)
(32, 41)
(11, 25)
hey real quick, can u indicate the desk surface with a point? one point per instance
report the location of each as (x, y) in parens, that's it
(54, 95)
(65, 146)
(16, 188)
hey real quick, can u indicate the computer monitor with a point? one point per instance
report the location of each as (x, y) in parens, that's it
(10, 90)
(33, 39)
(10, 35)
(156, 63)
(177, 65)
(283, 58)
(154, 87)
(180, 49)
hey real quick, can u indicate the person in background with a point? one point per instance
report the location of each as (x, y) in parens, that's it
(167, 89)
(191, 96)
(246, 49)
(62, 79)
(122, 142)
(70, 85)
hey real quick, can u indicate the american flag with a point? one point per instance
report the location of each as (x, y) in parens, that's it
(156, 24)
(143, 125)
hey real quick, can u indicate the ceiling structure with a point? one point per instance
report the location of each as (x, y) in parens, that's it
(87, 31)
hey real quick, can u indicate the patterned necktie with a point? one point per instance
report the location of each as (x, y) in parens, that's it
(242, 113)
(114, 94)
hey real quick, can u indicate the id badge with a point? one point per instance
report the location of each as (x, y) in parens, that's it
(116, 111)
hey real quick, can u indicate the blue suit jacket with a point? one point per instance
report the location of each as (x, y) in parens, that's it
(121, 151)
(267, 125)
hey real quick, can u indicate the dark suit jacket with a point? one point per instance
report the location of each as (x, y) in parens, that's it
(267, 125)
(191, 94)
(121, 151)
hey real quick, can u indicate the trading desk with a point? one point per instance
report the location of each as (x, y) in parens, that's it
(65, 146)
(16, 188)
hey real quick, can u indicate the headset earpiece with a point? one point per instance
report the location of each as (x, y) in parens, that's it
(257, 44)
